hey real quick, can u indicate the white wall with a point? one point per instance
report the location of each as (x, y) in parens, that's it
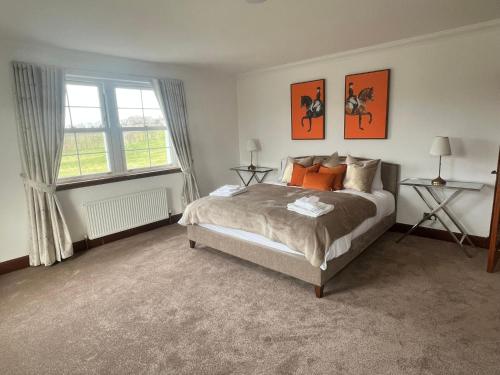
(441, 86)
(211, 103)
(444, 85)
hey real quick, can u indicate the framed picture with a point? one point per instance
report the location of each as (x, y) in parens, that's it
(366, 105)
(308, 109)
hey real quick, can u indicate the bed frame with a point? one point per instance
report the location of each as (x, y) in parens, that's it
(295, 265)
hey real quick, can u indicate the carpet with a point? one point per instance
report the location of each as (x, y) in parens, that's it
(148, 304)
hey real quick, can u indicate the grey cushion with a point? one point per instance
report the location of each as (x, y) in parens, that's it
(332, 161)
(319, 159)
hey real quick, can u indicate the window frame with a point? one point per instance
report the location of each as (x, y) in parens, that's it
(114, 136)
(129, 85)
(105, 129)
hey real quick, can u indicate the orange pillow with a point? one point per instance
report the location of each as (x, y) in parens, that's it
(318, 181)
(339, 173)
(299, 171)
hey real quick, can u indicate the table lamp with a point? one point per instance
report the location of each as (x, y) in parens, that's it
(251, 147)
(440, 147)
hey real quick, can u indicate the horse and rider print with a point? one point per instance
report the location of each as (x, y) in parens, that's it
(356, 105)
(366, 105)
(308, 109)
(314, 108)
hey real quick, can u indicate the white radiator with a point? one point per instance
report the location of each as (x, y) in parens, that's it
(117, 214)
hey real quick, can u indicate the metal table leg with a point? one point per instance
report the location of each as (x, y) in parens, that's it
(262, 178)
(454, 220)
(249, 180)
(433, 211)
(441, 206)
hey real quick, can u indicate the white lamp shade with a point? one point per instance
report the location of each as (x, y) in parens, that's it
(252, 145)
(440, 146)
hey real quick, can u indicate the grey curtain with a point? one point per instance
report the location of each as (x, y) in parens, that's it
(39, 94)
(170, 94)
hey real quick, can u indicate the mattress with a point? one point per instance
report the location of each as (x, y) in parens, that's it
(383, 200)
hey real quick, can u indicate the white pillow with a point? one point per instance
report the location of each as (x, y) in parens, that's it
(287, 172)
(377, 180)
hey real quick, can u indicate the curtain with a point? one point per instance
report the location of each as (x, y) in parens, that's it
(39, 94)
(170, 94)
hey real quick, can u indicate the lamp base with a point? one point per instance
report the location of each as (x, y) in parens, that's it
(438, 181)
(251, 167)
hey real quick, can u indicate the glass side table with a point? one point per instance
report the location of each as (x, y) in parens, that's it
(420, 185)
(259, 173)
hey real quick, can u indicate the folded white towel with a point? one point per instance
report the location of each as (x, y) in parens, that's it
(226, 194)
(309, 203)
(321, 207)
(321, 210)
(228, 191)
(229, 188)
(310, 199)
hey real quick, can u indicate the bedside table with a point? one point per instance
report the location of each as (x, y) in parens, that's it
(420, 185)
(259, 173)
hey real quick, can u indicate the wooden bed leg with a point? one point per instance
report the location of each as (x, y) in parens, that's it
(319, 291)
(192, 244)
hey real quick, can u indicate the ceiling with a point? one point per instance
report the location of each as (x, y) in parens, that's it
(232, 35)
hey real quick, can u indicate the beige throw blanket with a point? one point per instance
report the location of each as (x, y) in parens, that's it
(262, 210)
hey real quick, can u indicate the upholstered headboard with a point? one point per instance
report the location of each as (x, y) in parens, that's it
(390, 174)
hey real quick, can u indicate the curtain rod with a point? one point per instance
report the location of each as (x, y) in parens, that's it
(103, 76)
(124, 77)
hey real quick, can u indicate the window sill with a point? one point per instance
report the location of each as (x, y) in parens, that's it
(110, 179)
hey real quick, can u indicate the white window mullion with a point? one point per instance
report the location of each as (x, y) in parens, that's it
(116, 138)
(106, 127)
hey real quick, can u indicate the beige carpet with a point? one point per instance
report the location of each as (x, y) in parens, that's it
(149, 304)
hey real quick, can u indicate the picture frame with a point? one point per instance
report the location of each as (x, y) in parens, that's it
(308, 110)
(366, 105)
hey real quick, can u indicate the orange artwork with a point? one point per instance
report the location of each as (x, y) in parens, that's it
(366, 105)
(308, 109)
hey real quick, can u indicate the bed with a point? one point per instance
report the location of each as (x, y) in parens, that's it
(273, 254)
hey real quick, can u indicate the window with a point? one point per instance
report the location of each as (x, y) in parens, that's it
(112, 128)
(85, 150)
(145, 139)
